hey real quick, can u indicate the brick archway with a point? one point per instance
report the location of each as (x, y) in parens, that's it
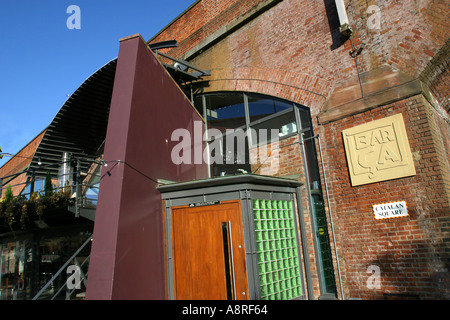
(301, 88)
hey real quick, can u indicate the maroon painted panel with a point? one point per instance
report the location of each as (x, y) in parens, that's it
(127, 257)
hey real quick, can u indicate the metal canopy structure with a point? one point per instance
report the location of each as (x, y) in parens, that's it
(79, 128)
(80, 125)
(179, 70)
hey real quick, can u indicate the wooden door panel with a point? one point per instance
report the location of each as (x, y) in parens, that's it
(199, 256)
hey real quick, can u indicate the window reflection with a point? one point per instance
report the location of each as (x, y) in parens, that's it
(27, 264)
(225, 110)
(305, 122)
(261, 106)
(283, 126)
(92, 189)
(15, 269)
(34, 186)
(263, 119)
(228, 110)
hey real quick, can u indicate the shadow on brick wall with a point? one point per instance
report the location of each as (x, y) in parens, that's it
(421, 274)
(334, 24)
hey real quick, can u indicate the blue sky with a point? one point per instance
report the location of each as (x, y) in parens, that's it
(42, 61)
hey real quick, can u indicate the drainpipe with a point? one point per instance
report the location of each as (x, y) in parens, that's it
(308, 190)
(305, 253)
(331, 217)
(345, 28)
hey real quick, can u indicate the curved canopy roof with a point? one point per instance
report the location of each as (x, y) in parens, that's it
(80, 125)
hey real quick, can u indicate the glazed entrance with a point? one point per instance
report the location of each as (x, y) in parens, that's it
(236, 239)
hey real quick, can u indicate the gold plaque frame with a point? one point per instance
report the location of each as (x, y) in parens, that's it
(378, 151)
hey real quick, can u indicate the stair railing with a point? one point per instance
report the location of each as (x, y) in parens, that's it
(63, 268)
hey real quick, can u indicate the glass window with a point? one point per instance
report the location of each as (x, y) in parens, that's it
(198, 103)
(54, 252)
(311, 160)
(229, 152)
(278, 127)
(225, 110)
(281, 105)
(261, 106)
(15, 266)
(269, 119)
(38, 186)
(305, 121)
(92, 189)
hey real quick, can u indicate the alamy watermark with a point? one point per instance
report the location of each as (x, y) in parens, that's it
(230, 147)
(73, 277)
(374, 280)
(374, 18)
(74, 20)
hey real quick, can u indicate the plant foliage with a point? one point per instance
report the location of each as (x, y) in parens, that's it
(20, 213)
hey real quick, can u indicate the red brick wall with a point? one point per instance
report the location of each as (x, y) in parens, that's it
(411, 252)
(294, 51)
(18, 163)
(410, 33)
(298, 38)
(202, 20)
(437, 76)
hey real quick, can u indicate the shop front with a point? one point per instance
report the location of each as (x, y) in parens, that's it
(29, 261)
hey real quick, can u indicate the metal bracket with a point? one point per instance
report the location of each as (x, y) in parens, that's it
(245, 194)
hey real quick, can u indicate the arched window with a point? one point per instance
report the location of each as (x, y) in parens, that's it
(254, 119)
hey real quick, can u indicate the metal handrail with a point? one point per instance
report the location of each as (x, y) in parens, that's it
(65, 283)
(62, 268)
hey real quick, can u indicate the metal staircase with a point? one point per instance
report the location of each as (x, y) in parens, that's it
(74, 286)
(83, 211)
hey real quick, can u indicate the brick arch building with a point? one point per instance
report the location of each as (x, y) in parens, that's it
(358, 94)
(294, 50)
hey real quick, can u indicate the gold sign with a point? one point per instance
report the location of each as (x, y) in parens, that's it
(378, 151)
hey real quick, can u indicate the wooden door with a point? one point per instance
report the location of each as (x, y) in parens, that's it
(208, 252)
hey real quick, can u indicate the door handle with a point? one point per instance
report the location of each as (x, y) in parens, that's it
(229, 260)
(232, 259)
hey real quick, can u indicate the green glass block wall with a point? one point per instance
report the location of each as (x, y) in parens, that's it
(277, 249)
